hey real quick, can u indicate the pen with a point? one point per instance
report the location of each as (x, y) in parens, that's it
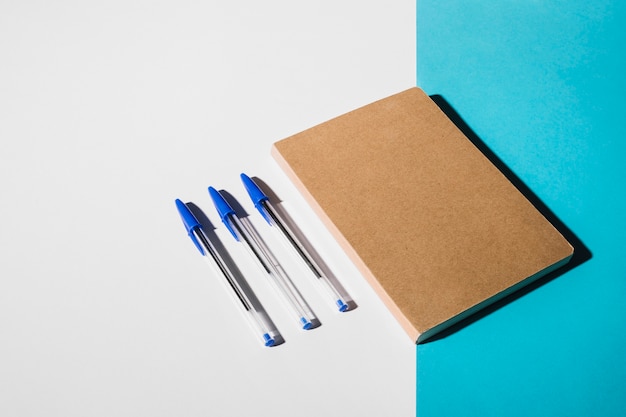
(242, 231)
(273, 217)
(207, 249)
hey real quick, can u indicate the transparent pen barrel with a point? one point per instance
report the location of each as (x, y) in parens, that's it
(259, 250)
(281, 227)
(255, 318)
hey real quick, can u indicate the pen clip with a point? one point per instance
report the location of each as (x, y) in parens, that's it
(256, 195)
(190, 222)
(223, 209)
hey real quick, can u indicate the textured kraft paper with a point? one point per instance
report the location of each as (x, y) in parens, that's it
(436, 229)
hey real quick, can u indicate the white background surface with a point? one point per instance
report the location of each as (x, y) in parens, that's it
(111, 110)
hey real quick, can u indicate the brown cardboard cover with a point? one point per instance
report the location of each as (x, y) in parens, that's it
(433, 225)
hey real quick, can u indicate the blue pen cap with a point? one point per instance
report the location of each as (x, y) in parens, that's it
(190, 222)
(223, 209)
(256, 195)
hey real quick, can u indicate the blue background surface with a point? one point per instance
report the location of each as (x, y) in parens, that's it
(543, 85)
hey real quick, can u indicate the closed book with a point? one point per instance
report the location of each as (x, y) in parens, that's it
(432, 224)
